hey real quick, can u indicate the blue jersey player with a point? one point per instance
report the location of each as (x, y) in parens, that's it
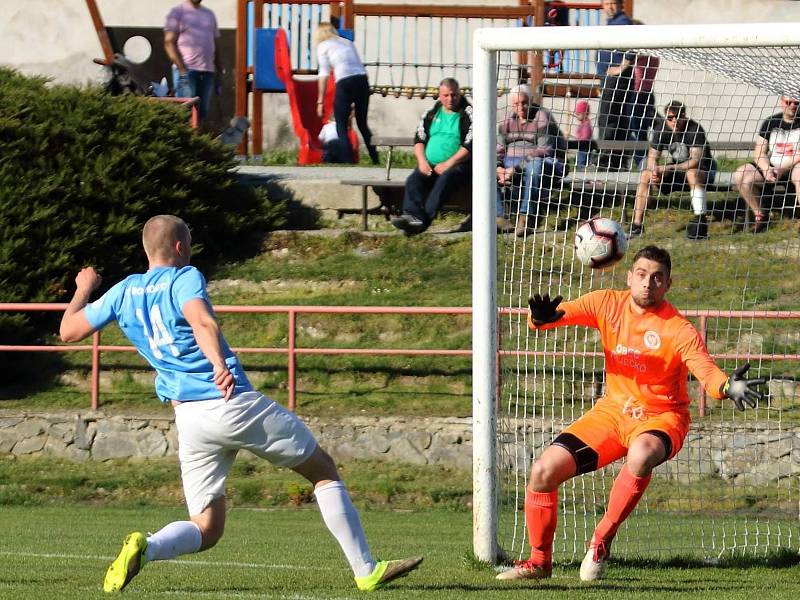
(167, 315)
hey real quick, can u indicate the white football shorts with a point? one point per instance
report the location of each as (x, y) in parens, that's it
(211, 433)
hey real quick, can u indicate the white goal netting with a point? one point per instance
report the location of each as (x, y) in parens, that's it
(698, 114)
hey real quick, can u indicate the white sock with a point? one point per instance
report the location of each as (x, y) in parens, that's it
(699, 200)
(341, 518)
(174, 539)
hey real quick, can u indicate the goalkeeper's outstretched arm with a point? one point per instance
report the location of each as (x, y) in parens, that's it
(546, 313)
(743, 391)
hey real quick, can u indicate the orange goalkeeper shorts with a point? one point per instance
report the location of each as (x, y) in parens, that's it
(605, 432)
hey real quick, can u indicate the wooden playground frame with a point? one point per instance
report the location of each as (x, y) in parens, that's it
(346, 11)
(249, 101)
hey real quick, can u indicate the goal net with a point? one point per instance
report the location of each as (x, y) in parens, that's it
(691, 104)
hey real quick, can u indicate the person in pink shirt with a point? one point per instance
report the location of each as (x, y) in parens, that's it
(190, 36)
(582, 132)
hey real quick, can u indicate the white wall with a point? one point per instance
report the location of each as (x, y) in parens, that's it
(56, 38)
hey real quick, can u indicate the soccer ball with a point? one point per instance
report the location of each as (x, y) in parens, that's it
(600, 243)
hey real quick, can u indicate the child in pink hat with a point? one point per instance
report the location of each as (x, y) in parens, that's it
(583, 132)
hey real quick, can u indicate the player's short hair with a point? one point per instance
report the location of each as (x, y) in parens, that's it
(161, 232)
(655, 254)
(677, 107)
(450, 83)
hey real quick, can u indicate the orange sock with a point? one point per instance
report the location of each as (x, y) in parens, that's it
(541, 516)
(626, 492)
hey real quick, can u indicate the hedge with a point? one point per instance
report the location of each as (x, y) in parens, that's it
(80, 173)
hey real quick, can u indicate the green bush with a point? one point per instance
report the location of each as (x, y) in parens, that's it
(81, 172)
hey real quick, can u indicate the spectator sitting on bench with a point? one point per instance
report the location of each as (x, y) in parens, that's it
(776, 154)
(530, 148)
(443, 149)
(691, 167)
(582, 132)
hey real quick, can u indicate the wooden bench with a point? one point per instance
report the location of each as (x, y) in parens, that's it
(379, 186)
(600, 185)
(387, 188)
(392, 142)
(382, 187)
(603, 180)
(629, 180)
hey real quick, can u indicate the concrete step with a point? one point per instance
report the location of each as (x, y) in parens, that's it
(318, 187)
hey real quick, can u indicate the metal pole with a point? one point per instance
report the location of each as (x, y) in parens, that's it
(95, 370)
(241, 68)
(292, 361)
(484, 305)
(258, 96)
(703, 329)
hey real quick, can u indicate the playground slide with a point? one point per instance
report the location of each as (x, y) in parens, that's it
(302, 93)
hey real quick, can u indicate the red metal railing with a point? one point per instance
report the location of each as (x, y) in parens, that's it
(293, 351)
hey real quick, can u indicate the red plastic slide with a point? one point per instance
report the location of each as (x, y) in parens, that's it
(302, 92)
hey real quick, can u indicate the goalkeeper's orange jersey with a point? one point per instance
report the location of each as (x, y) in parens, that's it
(648, 355)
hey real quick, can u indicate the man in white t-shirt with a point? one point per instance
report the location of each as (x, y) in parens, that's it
(776, 157)
(190, 36)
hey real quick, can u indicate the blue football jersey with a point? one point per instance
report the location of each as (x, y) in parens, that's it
(148, 309)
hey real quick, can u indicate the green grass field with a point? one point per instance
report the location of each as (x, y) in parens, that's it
(62, 523)
(62, 552)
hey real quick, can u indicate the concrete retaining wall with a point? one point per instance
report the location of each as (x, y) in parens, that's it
(753, 454)
(96, 436)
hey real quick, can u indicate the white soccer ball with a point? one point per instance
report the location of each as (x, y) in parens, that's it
(600, 243)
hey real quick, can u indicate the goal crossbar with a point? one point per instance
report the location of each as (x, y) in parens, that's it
(741, 35)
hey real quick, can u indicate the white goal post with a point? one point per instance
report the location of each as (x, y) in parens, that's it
(494, 52)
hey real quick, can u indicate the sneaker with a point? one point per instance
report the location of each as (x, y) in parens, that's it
(400, 222)
(761, 224)
(697, 229)
(594, 563)
(524, 225)
(504, 225)
(463, 226)
(409, 223)
(637, 229)
(386, 571)
(527, 569)
(414, 225)
(127, 564)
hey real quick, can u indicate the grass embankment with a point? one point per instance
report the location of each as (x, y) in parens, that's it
(733, 270)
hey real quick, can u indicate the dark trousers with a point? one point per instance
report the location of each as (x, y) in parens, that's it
(612, 120)
(641, 110)
(352, 91)
(424, 194)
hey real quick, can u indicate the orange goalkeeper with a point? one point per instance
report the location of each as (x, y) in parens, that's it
(649, 350)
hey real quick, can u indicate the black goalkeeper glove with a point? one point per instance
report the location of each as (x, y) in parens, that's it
(742, 390)
(543, 310)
